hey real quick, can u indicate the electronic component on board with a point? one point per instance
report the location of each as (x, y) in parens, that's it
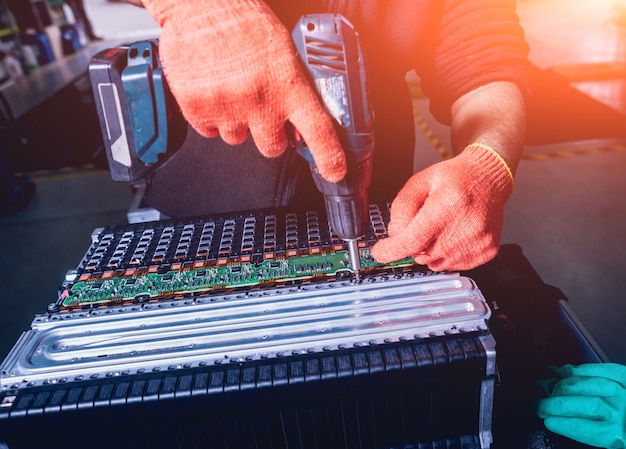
(130, 264)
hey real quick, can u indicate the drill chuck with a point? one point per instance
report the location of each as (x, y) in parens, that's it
(345, 215)
(346, 201)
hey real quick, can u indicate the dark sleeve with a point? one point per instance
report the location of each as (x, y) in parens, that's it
(478, 42)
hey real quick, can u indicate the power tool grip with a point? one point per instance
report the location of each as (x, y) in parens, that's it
(329, 48)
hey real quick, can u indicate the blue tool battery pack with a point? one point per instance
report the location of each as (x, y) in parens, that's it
(136, 110)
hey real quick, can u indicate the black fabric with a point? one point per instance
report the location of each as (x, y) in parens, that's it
(209, 176)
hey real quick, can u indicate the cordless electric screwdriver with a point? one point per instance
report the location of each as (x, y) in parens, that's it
(329, 48)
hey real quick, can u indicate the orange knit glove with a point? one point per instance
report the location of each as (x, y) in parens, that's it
(233, 69)
(449, 216)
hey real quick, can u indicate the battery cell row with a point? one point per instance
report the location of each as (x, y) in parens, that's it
(252, 237)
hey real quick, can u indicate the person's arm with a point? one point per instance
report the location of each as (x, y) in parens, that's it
(494, 115)
(450, 215)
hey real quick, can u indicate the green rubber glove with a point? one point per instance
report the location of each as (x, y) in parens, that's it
(588, 404)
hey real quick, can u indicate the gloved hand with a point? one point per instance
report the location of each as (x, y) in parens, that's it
(449, 216)
(233, 70)
(588, 404)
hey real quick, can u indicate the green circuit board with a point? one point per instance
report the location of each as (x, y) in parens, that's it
(150, 286)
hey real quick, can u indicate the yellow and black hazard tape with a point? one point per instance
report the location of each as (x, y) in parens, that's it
(571, 153)
(64, 173)
(432, 137)
(447, 154)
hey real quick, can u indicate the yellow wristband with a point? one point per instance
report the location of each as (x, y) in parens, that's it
(499, 157)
